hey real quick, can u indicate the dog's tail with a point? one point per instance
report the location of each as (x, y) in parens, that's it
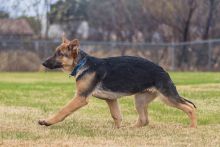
(168, 89)
(172, 94)
(185, 100)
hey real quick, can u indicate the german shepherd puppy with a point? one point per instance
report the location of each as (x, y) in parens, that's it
(112, 78)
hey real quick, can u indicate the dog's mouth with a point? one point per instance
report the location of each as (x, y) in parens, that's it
(54, 65)
(57, 66)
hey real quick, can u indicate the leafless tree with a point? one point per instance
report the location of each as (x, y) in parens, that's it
(212, 6)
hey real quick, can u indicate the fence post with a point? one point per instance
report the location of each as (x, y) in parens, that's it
(36, 46)
(210, 54)
(172, 49)
(16, 59)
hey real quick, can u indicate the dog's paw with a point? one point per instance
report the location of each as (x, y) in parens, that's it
(43, 122)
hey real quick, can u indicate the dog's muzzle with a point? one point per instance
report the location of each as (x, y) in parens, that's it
(52, 64)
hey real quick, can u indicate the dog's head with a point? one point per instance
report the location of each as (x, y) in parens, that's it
(64, 56)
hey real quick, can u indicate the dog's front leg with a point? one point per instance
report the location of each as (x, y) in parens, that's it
(72, 106)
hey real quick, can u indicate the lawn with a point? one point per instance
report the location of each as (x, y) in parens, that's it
(27, 97)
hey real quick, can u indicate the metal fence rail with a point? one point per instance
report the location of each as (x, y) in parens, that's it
(196, 55)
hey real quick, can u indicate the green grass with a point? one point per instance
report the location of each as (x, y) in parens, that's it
(27, 97)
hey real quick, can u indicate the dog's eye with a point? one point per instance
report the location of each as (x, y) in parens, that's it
(69, 48)
(59, 53)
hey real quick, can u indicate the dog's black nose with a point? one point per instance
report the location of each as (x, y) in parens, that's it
(44, 64)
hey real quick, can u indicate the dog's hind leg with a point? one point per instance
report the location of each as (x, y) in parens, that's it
(115, 112)
(141, 103)
(183, 105)
(171, 97)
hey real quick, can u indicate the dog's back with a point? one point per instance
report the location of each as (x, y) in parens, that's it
(130, 74)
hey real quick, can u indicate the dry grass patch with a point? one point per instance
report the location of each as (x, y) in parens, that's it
(36, 95)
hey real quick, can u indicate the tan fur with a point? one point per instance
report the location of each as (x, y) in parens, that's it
(67, 64)
(191, 112)
(84, 83)
(141, 103)
(62, 47)
(115, 112)
(152, 90)
(187, 108)
(104, 94)
(72, 106)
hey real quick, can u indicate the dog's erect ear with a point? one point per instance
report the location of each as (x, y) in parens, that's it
(75, 42)
(74, 45)
(64, 39)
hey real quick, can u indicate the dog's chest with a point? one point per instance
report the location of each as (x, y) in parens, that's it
(99, 92)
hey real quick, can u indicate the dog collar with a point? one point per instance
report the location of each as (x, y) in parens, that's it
(78, 66)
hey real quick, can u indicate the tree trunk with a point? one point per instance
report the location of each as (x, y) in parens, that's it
(209, 20)
(184, 56)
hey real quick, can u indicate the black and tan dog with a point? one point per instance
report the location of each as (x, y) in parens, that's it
(112, 78)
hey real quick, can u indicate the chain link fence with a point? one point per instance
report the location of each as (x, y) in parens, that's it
(27, 55)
